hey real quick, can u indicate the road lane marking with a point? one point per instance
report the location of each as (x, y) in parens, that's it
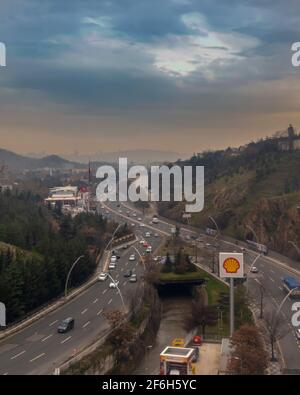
(124, 283)
(5, 374)
(84, 311)
(65, 340)
(99, 312)
(126, 263)
(117, 276)
(109, 302)
(54, 322)
(86, 324)
(18, 355)
(272, 271)
(37, 357)
(104, 291)
(122, 269)
(46, 338)
(272, 279)
(95, 301)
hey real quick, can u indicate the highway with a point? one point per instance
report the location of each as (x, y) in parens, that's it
(39, 349)
(270, 275)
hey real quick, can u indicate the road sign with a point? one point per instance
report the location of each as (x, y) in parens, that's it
(231, 265)
(2, 314)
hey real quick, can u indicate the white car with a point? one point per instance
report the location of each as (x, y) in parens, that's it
(113, 259)
(102, 276)
(142, 241)
(148, 234)
(134, 214)
(142, 224)
(254, 269)
(139, 218)
(132, 257)
(114, 284)
(112, 266)
(156, 235)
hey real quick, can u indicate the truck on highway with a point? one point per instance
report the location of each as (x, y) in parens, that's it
(261, 248)
(291, 283)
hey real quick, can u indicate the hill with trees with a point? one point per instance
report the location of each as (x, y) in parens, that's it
(38, 248)
(257, 185)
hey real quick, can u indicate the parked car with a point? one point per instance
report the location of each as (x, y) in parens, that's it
(142, 241)
(125, 246)
(132, 257)
(148, 234)
(149, 249)
(113, 259)
(111, 266)
(254, 269)
(139, 218)
(156, 235)
(133, 278)
(102, 276)
(128, 273)
(114, 284)
(66, 325)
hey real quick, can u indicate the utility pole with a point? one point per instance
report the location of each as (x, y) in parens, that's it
(231, 306)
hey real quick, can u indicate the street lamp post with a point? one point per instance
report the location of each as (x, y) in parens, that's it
(295, 246)
(284, 300)
(68, 276)
(214, 240)
(253, 232)
(112, 237)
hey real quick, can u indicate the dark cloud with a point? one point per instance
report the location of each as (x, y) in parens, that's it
(150, 59)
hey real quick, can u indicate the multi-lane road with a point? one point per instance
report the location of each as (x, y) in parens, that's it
(271, 270)
(39, 349)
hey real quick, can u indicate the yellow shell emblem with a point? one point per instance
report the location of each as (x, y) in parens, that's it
(231, 265)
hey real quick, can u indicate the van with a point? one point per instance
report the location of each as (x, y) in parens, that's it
(66, 325)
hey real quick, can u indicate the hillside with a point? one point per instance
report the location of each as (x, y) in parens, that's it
(16, 162)
(260, 187)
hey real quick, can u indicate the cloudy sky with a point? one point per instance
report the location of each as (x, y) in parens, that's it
(181, 75)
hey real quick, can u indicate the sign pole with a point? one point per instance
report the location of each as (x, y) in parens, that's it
(231, 306)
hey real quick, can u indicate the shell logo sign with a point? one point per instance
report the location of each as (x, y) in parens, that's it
(231, 264)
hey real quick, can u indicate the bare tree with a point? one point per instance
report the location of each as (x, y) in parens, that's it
(201, 314)
(277, 329)
(248, 355)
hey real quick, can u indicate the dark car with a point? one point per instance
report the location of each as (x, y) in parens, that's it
(195, 353)
(128, 273)
(66, 325)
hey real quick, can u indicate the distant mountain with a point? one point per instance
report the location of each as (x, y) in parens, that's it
(16, 162)
(139, 156)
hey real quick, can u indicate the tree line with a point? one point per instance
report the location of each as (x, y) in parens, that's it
(38, 248)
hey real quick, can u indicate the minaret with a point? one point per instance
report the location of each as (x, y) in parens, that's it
(291, 137)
